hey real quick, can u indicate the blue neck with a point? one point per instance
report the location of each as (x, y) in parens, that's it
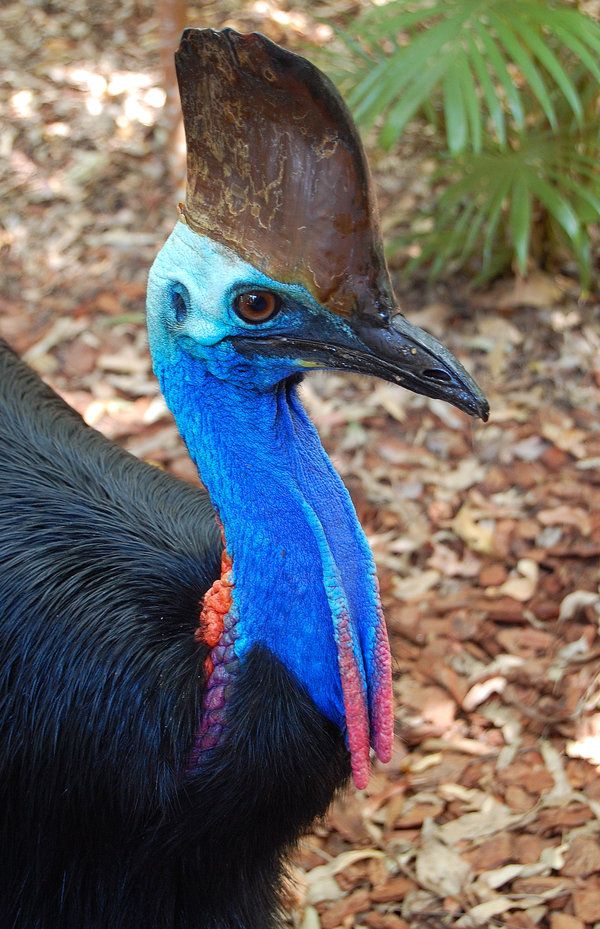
(304, 578)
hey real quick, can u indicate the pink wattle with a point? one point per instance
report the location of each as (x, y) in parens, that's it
(382, 712)
(355, 704)
(380, 731)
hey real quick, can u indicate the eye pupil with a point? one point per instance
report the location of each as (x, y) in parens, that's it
(257, 303)
(256, 306)
(180, 306)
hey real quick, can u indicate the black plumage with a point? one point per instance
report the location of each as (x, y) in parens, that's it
(104, 561)
(109, 816)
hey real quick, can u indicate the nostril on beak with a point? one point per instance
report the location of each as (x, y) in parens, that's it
(434, 374)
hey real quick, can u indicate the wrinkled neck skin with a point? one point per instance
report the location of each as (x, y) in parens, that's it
(304, 582)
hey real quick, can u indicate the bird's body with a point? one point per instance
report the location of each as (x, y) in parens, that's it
(104, 561)
(186, 679)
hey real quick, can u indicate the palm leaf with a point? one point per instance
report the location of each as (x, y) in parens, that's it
(579, 50)
(520, 221)
(498, 64)
(401, 75)
(521, 57)
(455, 109)
(486, 213)
(471, 103)
(494, 104)
(491, 74)
(494, 215)
(589, 209)
(547, 57)
(563, 17)
(489, 38)
(408, 105)
(558, 207)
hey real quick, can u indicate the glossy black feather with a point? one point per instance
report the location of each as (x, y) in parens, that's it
(103, 564)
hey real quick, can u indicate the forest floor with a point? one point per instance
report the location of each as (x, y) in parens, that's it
(487, 538)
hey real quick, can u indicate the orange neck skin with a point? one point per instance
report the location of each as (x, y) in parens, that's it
(216, 604)
(216, 629)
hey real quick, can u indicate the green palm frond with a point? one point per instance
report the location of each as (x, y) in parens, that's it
(486, 214)
(512, 87)
(479, 58)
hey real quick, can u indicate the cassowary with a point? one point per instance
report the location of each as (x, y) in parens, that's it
(187, 678)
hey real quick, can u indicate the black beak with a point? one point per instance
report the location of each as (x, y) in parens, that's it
(392, 349)
(403, 353)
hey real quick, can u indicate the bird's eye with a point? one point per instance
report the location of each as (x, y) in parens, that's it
(256, 306)
(180, 306)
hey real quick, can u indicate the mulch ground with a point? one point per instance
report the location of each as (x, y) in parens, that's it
(487, 538)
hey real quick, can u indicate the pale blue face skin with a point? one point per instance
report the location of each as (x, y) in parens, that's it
(208, 276)
(304, 578)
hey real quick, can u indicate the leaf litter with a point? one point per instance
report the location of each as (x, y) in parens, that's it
(487, 538)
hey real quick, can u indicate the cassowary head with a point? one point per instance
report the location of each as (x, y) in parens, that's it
(277, 267)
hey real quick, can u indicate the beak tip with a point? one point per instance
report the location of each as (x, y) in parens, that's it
(480, 407)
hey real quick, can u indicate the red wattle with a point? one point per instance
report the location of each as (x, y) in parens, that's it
(355, 703)
(383, 698)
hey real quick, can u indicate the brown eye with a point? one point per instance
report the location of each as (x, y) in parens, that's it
(256, 306)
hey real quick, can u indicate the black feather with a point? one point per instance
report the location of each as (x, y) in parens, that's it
(104, 561)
